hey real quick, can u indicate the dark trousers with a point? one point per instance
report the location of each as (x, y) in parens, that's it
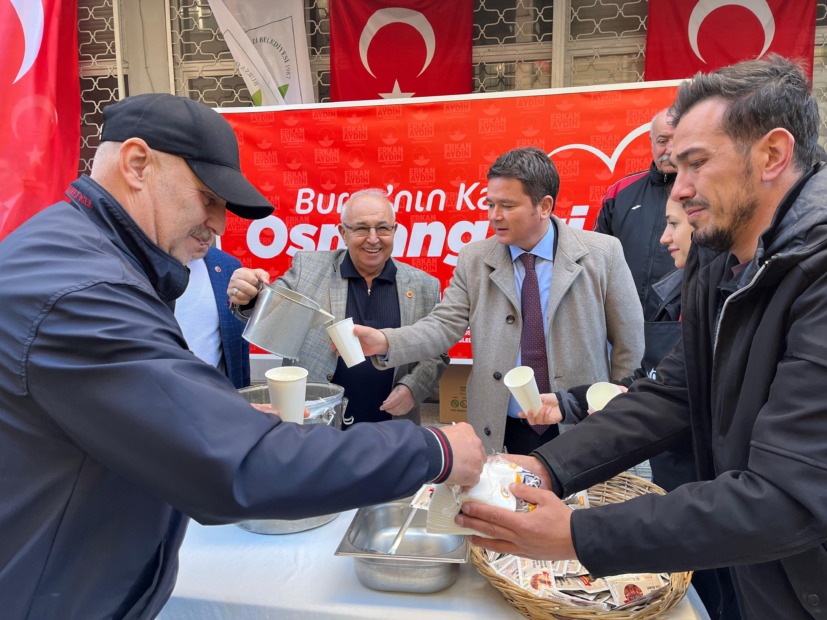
(520, 438)
(715, 589)
(671, 469)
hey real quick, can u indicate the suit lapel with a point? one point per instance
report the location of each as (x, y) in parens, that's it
(338, 291)
(403, 287)
(566, 268)
(502, 274)
(217, 282)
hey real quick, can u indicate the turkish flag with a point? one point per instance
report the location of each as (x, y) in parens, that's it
(40, 106)
(399, 48)
(688, 36)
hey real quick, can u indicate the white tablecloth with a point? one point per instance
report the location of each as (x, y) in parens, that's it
(229, 573)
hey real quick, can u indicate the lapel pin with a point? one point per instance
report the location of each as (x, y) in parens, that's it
(409, 294)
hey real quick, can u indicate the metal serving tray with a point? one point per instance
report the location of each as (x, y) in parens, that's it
(423, 562)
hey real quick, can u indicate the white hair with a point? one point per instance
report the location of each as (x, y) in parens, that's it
(374, 192)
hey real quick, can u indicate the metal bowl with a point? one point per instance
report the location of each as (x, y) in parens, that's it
(423, 562)
(325, 402)
(327, 405)
(284, 526)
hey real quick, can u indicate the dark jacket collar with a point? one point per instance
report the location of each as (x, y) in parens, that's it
(660, 178)
(168, 276)
(348, 270)
(669, 286)
(801, 210)
(798, 228)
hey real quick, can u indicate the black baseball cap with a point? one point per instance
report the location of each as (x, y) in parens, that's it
(195, 132)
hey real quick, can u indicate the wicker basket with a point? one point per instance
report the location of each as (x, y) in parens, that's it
(618, 489)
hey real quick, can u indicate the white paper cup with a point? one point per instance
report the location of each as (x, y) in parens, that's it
(600, 393)
(346, 342)
(287, 388)
(523, 386)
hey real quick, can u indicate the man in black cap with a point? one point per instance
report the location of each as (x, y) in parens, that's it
(111, 432)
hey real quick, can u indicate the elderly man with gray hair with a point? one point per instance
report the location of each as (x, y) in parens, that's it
(633, 211)
(360, 281)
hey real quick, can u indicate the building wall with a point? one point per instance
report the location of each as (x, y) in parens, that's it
(135, 46)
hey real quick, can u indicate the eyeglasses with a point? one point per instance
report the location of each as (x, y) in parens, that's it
(385, 230)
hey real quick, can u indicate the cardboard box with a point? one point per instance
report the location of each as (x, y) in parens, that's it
(453, 404)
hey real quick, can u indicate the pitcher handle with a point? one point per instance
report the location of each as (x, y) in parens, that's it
(239, 313)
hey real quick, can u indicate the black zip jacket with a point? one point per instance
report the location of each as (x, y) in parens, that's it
(112, 432)
(633, 211)
(747, 382)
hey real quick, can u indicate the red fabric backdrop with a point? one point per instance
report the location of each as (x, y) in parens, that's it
(432, 157)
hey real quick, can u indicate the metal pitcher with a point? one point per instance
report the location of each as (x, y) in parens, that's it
(281, 319)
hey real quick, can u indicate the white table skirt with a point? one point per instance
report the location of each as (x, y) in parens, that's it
(229, 573)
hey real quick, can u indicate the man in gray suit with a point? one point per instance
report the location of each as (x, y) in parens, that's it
(589, 301)
(365, 283)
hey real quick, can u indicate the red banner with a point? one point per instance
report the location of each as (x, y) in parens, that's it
(393, 49)
(703, 35)
(40, 106)
(432, 157)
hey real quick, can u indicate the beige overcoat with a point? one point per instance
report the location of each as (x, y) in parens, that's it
(592, 303)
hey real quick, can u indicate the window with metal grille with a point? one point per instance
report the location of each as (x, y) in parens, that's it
(515, 43)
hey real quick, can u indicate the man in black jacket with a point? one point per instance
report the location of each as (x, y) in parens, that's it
(746, 382)
(634, 211)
